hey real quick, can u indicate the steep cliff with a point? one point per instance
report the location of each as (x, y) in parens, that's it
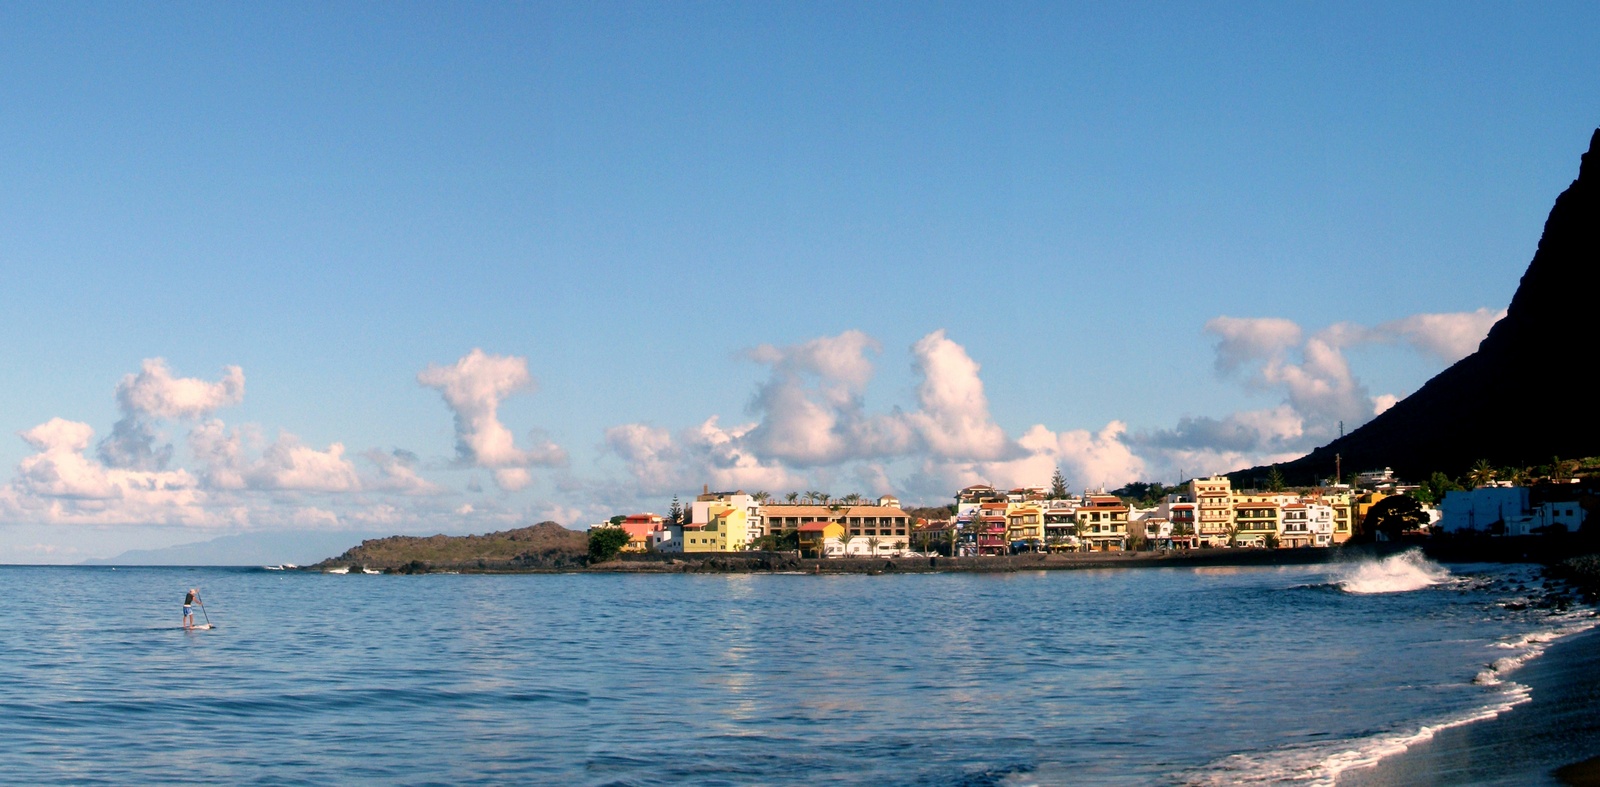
(1525, 395)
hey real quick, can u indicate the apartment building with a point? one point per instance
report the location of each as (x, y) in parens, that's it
(1213, 498)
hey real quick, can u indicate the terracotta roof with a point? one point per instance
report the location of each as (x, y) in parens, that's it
(787, 510)
(878, 511)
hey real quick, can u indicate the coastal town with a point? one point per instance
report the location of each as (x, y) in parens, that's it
(1203, 513)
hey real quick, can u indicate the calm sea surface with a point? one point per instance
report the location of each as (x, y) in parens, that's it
(1177, 676)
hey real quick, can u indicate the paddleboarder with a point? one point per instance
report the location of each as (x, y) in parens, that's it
(188, 614)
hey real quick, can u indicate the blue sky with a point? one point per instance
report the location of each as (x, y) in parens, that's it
(879, 243)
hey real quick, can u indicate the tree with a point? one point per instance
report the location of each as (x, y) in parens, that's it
(1058, 486)
(1271, 541)
(973, 527)
(791, 497)
(675, 512)
(1436, 487)
(1391, 516)
(761, 497)
(606, 542)
(778, 542)
(1482, 473)
(1080, 529)
(1275, 480)
(872, 544)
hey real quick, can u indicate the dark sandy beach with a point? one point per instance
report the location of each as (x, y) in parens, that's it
(1553, 739)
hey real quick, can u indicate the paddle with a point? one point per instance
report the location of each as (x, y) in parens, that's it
(202, 604)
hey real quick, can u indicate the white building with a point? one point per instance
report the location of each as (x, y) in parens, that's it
(1481, 508)
(1567, 514)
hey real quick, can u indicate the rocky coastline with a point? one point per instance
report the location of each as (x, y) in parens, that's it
(548, 562)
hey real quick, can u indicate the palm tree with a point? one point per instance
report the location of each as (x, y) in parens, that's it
(1080, 529)
(872, 544)
(1482, 474)
(973, 527)
(761, 497)
(792, 497)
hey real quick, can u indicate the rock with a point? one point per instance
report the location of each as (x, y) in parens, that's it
(1543, 333)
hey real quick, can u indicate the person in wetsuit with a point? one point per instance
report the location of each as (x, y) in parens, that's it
(188, 614)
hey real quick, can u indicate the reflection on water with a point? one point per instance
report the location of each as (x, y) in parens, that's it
(1101, 676)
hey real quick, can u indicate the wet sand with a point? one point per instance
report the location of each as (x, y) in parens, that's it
(1553, 739)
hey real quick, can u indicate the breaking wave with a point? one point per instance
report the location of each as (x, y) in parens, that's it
(1409, 570)
(1321, 764)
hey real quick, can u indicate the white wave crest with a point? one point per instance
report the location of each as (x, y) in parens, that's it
(1409, 570)
(1322, 764)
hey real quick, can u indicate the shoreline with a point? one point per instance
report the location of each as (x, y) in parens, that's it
(788, 563)
(1552, 738)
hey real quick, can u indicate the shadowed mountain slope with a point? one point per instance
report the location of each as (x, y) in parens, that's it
(1524, 396)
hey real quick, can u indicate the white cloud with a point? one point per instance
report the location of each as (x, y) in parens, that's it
(238, 460)
(1383, 402)
(1312, 374)
(397, 472)
(289, 466)
(729, 464)
(653, 459)
(60, 485)
(155, 395)
(1248, 339)
(810, 408)
(813, 421)
(954, 419)
(473, 388)
(1447, 337)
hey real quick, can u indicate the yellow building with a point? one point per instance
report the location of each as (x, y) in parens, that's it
(1025, 523)
(821, 538)
(1103, 520)
(1361, 505)
(724, 531)
(1254, 522)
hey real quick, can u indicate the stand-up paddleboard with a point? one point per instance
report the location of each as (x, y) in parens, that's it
(201, 627)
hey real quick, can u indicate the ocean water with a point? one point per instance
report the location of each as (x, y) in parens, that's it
(1150, 676)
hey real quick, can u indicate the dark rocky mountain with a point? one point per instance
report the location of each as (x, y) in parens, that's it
(1524, 396)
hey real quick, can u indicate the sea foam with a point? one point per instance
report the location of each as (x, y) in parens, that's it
(1407, 571)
